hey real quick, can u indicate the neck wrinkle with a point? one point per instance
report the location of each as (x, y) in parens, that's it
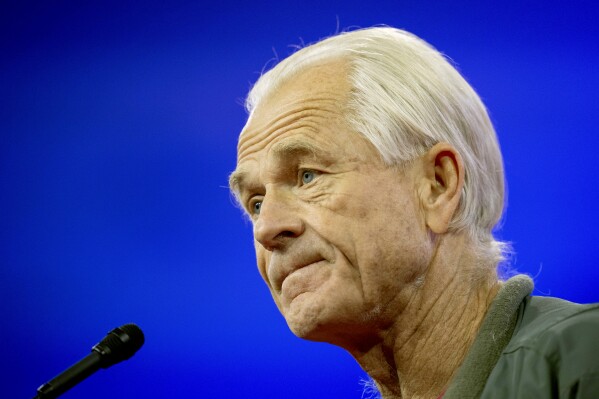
(418, 355)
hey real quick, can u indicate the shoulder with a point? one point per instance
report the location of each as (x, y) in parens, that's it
(542, 318)
(548, 324)
(554, 352)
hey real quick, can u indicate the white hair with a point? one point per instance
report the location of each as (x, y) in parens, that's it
(407, 97)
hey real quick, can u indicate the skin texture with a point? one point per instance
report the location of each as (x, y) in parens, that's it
(355, 252)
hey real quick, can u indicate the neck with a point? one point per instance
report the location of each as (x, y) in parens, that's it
(437, 320)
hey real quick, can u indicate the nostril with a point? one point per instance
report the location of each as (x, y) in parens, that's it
(268, 248)
(287, 233)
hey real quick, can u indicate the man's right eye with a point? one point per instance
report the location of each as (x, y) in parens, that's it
(255, 207)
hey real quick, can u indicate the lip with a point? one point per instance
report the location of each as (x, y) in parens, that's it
(278, 271)
(300, 281)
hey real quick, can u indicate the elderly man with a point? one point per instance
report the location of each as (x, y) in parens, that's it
(373, 179)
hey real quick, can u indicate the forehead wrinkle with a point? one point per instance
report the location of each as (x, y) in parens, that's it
(308, 108)
(300, 125)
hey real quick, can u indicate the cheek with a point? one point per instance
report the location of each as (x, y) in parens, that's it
(262, 259)
(392, 249)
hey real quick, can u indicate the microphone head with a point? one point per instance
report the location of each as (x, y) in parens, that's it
(120, 344)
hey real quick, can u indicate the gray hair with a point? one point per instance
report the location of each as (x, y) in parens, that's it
(407, 97)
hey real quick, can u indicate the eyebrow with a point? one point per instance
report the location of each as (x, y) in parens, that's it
(236, 181)
(239, 179)
(289, 148)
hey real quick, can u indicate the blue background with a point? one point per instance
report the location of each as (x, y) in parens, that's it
(119, 124)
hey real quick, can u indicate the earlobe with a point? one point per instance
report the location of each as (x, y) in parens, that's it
(443, 180)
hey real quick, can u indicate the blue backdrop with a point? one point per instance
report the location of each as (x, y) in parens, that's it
(119, 125)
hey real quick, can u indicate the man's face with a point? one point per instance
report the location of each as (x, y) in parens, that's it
(339, 238)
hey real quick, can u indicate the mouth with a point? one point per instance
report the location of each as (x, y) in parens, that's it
(282, 273)
(302, 279)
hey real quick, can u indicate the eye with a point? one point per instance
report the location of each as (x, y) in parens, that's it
(255, 207)
(308, 176)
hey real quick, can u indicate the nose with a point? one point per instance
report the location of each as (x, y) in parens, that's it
(278, 222)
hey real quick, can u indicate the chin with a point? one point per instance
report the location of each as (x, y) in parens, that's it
(312, 318)
(304, 316)
(311, 333)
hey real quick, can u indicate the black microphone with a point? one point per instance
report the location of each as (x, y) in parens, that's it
(120, 344)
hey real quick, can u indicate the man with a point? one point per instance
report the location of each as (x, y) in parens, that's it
(373, 179)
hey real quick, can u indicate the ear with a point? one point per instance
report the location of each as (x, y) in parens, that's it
(442, 184)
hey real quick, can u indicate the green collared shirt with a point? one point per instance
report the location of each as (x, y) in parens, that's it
(531, 347)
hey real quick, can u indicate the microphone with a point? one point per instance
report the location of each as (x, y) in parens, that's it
(120, 344)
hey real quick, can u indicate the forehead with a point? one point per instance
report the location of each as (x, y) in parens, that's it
(304, 118)
(308, 102)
